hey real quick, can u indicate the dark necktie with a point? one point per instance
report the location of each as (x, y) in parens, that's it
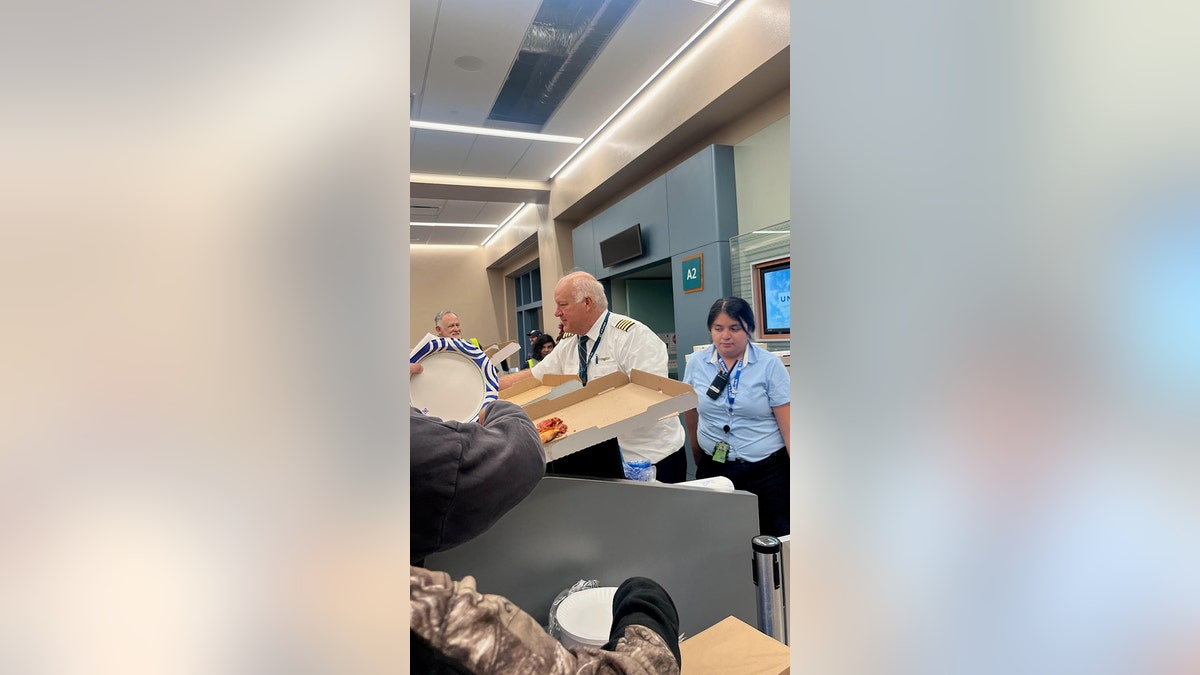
(583, 358)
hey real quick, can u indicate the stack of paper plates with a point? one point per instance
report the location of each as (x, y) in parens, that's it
(585, 617)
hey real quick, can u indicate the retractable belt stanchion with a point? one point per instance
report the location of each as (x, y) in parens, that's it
(768, 582)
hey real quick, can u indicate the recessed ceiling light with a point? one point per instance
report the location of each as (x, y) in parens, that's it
(502, 133)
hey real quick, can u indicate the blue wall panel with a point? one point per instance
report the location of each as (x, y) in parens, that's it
(725, 191)
(691, 204)
(702, 199)
(691, 309)
(584, 246)
(647, 206)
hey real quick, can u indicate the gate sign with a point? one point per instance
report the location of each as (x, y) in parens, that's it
(693, 273)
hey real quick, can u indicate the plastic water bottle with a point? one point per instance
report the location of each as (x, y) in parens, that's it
(640, 469)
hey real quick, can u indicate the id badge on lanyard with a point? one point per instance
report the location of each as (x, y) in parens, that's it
(720, 452)
(722, 449)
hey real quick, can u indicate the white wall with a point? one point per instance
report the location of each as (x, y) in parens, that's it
(455, 278)
(762, 167)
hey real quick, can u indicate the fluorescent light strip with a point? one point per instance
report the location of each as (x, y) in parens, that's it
(502, 133)
(695, 36)
(410, 245)
(452, 225)
(503, 223)
(714, 3)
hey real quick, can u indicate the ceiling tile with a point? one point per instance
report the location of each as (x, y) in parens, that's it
(425, 201)
(439, 152)
(424, 210)
(416, 215)
(489, 30)
(457, 211)
(419, 235)
(496, 212)
(422, 15)
(470, 235)
(541, 159)
(433, 235)
(493, 156)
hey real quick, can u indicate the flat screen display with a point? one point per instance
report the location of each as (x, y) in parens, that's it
(776, 306)
(623, 246)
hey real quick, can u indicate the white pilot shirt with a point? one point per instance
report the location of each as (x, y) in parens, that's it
(627, 345)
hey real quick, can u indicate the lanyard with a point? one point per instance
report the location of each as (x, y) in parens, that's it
(596, 342)
(731, 390)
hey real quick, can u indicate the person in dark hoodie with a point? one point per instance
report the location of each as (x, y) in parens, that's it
(465, 477)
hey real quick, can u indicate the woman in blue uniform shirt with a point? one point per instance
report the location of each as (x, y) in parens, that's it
(741, 428)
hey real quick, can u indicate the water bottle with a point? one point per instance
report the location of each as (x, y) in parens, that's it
(639, 469)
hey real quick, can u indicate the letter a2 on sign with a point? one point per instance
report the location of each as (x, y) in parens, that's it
(692, 269)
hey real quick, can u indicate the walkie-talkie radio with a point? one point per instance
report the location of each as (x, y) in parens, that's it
(718, 385)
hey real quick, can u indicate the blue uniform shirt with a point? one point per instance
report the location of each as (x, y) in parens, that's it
(753, 432)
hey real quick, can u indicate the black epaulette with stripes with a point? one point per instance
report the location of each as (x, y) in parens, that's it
(624, 324)
(566, 335)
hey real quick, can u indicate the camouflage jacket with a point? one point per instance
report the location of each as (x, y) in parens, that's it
(456, 629)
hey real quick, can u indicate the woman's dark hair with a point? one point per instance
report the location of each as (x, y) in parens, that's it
(736, 308)
(538, 344)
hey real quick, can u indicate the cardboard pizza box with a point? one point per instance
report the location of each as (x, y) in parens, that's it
(498, 352)
(609, 406)
(527, 391)
(733, 647)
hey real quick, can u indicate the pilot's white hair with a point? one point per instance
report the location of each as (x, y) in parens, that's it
(583, 285)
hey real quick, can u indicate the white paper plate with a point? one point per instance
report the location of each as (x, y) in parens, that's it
(586, 617)
(456, 382)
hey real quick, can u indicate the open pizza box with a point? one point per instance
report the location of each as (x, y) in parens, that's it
(501, 351)
(609, 406)
(552, 386)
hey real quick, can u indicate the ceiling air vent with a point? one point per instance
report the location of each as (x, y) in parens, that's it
(423, 214)
(562, 41)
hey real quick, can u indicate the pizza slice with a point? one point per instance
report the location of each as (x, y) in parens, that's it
(551, 428)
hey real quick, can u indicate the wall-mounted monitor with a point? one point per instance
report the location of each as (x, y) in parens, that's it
(622, 246)
(773, 298)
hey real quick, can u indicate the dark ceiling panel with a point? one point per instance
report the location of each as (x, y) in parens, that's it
(562, 41)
